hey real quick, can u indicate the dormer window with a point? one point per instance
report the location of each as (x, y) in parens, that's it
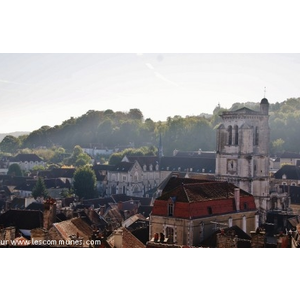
(171, 206)
(170, 209)
(209, 210)
(283, 176)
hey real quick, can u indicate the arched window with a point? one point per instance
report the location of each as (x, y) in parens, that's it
(209, 210)
(136, 177)
(230, 135)
(256, 136)
(236, 135)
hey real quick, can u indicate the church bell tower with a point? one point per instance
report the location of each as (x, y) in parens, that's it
(243, 152)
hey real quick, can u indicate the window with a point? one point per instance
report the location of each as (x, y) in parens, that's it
(256, 137)
(170, 233)
(209, 210)
(170, 209)
(230, 135)
(236, 135)
(245, 205)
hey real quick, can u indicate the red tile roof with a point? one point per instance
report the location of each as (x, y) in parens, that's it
(200, 199)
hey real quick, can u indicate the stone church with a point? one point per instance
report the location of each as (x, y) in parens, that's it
(242, 155)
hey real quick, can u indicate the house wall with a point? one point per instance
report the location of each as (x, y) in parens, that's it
(134, 182)
(192, 232)
(28, 165)
(288, 161)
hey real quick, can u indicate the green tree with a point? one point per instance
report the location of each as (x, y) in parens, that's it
(14, 170)
(84, 182)
(58, 156)
(135, 114)
(78, 157)
(277, 146)
(9, 144)
(38, 168)
(39, 189)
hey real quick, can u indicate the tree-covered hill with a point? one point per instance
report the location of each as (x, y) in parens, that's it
(111, 129)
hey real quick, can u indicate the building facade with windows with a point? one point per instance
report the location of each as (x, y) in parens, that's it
(190, 210)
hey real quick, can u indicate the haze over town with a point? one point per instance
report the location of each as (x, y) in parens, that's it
(46, 89)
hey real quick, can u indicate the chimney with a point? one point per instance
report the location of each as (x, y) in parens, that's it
(49, 215)
(237, 198)
(10, 234)
(162, 237)
(118, 238)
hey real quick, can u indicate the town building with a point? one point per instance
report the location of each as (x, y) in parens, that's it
(27, 161)
(190, 210)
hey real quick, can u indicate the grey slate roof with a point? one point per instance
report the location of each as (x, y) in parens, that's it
(122, 167)
(22, 219)
(287, 154)
(188, 164)
(202, 154)
(291, 172)
(25, 157)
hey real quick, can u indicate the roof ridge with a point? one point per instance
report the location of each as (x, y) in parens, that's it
(185, 192)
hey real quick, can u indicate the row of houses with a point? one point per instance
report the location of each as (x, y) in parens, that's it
(186, 213)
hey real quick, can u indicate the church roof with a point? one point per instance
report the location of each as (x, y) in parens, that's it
(246, 126)
(241, 111)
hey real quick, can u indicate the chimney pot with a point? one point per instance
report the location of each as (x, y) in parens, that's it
(237, 198)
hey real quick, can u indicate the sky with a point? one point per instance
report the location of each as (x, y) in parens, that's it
(38, 89)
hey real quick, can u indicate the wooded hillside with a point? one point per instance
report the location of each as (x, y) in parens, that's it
(111, 129)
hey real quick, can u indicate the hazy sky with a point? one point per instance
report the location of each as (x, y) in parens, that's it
(46, 89)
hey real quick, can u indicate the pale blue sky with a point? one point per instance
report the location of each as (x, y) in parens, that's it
(46, 89)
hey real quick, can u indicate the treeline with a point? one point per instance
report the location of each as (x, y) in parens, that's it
(112, 129)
